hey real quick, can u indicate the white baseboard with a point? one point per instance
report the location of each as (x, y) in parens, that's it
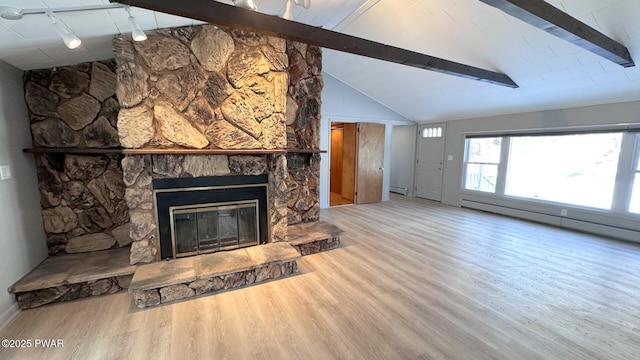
(573, 224)
(9, 314)
(398, 190)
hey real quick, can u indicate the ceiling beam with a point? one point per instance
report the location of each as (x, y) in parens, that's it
(546, 17)
(239, 18)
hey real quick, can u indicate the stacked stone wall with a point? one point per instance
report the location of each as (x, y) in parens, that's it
(82, 196)
(303, 132)
(202, 87)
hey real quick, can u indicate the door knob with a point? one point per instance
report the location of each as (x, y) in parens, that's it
(381, 169)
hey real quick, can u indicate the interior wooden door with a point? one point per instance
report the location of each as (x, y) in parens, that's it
(370, 162)
(349, 150)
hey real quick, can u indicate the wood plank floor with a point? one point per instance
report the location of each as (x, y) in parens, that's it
(337, 199)
(412, 280)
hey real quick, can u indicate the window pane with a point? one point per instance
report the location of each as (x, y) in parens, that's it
(439, 132)
(634, 206)
(481, 177)
(425, 133)
(572, 169)
(484, 150)
(637, 166)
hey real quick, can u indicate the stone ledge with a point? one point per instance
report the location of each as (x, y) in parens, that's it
(69, 269)
(166, 281)
(40, 297)
(313, 237)
(74, 276)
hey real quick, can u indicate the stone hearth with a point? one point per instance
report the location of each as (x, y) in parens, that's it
(167, 281)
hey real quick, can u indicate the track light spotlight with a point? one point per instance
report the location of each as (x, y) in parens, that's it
(69, 38)
(136, 32)
(288, 14)
(246, 4)
(304, 3)
(287, 11)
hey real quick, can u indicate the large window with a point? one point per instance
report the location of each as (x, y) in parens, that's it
(598, 170)
(572, 169)
(634, 202)
(481, 164)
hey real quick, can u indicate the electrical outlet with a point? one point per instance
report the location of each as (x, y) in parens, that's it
(563, 212)
(5, 172)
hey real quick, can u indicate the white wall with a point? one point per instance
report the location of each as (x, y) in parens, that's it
(342, 103)
(583, 118)
(22, 242)
(403, 155)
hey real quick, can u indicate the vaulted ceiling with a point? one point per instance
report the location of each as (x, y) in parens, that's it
(551, 72)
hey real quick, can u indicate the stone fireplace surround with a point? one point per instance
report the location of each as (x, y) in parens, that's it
(195, 101)
(139, 171)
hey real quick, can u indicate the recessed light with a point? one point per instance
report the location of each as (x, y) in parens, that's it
(10, 13)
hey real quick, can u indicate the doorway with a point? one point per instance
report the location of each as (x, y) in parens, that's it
(343, 163)
(356, 163)
(430, 161)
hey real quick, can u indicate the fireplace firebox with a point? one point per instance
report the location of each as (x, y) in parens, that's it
(209, 214)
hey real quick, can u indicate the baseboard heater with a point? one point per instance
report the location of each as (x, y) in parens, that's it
(398, 190)
(567, 223)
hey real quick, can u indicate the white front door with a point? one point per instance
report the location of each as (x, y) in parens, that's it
(430, 161)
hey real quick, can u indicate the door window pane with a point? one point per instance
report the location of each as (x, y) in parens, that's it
(573, 169)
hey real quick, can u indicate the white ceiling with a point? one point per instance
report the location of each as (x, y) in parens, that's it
(551, 73)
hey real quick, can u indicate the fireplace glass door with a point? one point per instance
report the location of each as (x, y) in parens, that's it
(213, 227)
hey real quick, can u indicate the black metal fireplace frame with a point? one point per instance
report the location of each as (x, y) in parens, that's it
(203, 190)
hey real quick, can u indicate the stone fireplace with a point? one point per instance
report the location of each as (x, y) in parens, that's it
(204, 109)
(210, 105)
(188, 103)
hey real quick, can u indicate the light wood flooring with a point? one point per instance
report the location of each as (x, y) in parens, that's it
(412, 280)
(337, 199)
